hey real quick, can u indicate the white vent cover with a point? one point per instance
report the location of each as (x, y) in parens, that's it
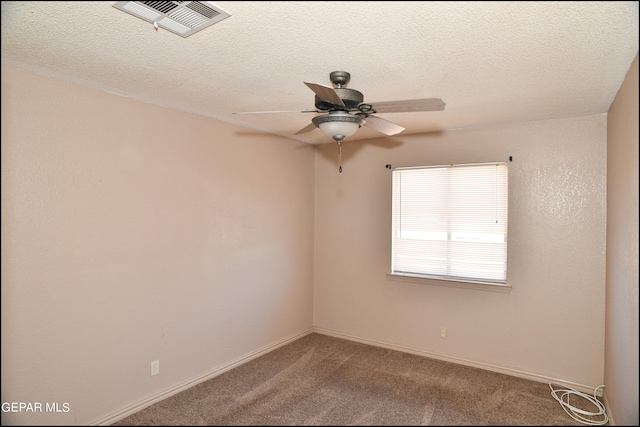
(181, 17)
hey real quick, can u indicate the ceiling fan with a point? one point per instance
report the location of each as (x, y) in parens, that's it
(344, 110)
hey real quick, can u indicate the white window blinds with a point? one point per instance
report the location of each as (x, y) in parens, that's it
(450, 222)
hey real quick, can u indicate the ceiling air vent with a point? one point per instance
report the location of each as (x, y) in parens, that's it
(181, 17)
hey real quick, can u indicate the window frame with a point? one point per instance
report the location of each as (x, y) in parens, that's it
(473, 282)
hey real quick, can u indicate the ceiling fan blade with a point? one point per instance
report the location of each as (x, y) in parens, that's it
(382, 125)
(429, 104)
(326, 93)
(283, 111)
(308, 128)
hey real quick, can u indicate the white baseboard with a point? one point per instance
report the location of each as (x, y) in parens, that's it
(138, 406)
(513, 372)
(606, 408)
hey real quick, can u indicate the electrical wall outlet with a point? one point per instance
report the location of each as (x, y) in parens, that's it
(443, 332)
(155, 367)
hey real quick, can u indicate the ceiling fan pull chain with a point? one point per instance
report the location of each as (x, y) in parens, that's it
(339, 157)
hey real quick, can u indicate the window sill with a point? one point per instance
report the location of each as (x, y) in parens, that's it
(492, 287)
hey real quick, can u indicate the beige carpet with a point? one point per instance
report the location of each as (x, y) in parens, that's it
(322, 380)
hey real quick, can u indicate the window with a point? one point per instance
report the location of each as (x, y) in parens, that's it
(450, 222)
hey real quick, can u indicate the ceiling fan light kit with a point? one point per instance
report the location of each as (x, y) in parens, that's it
(338, 124)
(344, 110)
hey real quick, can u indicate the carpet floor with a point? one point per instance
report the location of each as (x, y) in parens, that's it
(323, 380)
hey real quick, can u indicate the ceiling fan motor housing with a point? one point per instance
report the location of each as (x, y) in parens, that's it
(351, 98)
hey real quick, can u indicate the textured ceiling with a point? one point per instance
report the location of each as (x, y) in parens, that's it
(491, 62)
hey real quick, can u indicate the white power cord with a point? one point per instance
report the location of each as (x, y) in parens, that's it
(560, 394)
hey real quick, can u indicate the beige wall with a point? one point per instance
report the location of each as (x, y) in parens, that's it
(129, 235)
(133, 233)
(621, 356)
(551, 324)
